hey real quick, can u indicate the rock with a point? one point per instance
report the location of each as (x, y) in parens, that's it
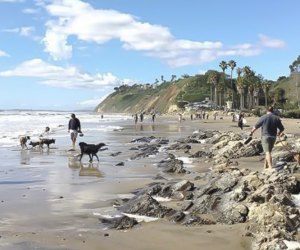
(201, 154)
(187, 205)
(144, 139)
(172, 165)
(179, 146)
(236, 214)
(119, 223)
(145, 205)
(192, 220)
(177, 216)
(183, 186)
(115, 154)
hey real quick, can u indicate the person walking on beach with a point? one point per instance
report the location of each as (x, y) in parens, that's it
(74, 128)
(142, 116)
(240, 121)
(180, 117)
(45, 133)
(153, 117)
(215, 115)
(135, 117)
(270, 124)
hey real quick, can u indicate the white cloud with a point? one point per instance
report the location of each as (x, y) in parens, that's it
(64, 77)
(23, 31)
(30, 11)
(81, 20)
(3, 53)
(12, 1)
(245, 49)
(26, 31)
(93, 102)
(271, 42)
(77, 18)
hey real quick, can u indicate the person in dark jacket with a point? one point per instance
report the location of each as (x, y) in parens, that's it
(240, 121)
(271, 127)
(74, 128)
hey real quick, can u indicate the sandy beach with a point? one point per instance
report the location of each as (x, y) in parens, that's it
(49, 200)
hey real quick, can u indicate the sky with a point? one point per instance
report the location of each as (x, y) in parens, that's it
(71, 54)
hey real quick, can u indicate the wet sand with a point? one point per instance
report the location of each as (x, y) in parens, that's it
(51, 201)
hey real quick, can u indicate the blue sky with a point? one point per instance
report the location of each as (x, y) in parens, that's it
(70, 54)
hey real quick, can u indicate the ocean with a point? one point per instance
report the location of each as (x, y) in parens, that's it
(14, 124)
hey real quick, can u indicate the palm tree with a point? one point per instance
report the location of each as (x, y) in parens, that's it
(257, 87)
(213, 81)
(247, 75)
(232, 65)
(240, 86)
(223, 65)
(266, 87)
(173, 78)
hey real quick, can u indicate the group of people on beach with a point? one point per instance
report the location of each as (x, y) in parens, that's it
(270, 124)
(142, 116)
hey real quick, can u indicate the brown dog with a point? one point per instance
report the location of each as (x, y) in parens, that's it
(23, 141)
(297, 158)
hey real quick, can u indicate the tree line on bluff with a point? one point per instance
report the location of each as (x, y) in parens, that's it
(247, 91)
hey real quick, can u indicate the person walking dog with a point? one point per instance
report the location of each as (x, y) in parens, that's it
(74, 128)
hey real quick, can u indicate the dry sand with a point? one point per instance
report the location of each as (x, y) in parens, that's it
(50, 201)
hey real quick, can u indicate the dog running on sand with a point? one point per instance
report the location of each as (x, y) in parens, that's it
(90, 149)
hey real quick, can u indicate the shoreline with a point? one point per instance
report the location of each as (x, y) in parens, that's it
(73, 198)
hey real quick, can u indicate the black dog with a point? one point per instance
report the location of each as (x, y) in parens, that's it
(23, 141)
(34, 143)
(90, 149)
(46, 141)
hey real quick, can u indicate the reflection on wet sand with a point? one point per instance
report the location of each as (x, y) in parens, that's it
(25, 157)
(90, 169)
(152, 127)
(74, 163)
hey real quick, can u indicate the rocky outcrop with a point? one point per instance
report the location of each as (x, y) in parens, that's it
(229, 195)
(150, 147)
(119, 223)
(172, 165)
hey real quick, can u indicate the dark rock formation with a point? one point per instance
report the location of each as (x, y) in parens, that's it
(119, 223)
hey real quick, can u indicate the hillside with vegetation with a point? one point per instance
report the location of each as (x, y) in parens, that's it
(162, 98)
(247, 91)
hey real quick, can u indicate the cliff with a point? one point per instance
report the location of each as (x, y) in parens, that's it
(162, 97)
